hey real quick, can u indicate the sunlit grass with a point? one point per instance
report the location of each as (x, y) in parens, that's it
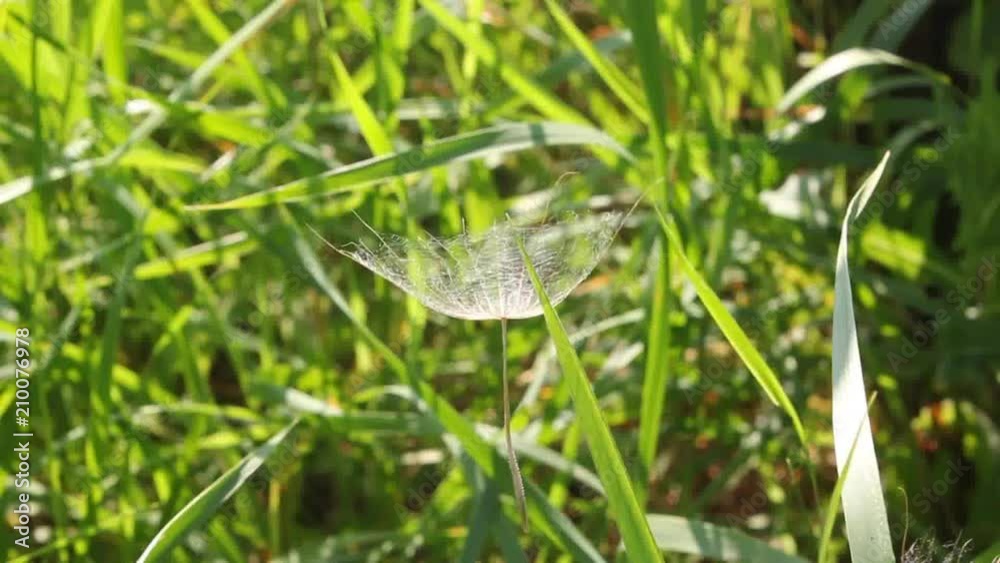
(210, 382)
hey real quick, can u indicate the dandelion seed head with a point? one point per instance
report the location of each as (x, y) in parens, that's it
(483, 276)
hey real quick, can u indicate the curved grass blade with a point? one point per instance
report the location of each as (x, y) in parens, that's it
(864, 506)
(209, 500)
(233, 245)
(846, 61)
(676, 534)
(734, 334)
(631, 521)
(483, 142)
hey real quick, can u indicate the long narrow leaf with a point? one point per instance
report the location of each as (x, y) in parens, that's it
(619, 83)
(632, 523)
(747, 352)
(209, 500)
(641, 17)
(833, 507)
(484, 142)
(864, 506)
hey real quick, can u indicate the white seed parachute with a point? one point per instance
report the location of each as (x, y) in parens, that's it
(483, 276)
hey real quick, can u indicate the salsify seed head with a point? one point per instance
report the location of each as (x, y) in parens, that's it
(483, 276)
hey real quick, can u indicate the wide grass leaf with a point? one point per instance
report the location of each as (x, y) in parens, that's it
(203, 506)
(833, 507)
(709, 541)
(631, 520)
(477, 144)
(864, 506)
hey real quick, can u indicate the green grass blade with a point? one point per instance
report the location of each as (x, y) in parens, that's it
(483, 142)
(641, 17)
(619, 83)
(631, 520)
(864, 506)
(846, 61)
(209, 500)
(115, 64)
(731, 329)
(20, 186)
(218, 31)
(370, 126)
(541, 98)
(676, 534)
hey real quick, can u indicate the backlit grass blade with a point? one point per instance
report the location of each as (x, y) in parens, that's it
(631, 520)
(483, 142)
(113, 49)
(846, 61)
(213, 252)
(372, 130)
(864, 506)
(675, 534)
(203, 506)
(833, 507)
(619, 83)
(218, 31)
(731, 329)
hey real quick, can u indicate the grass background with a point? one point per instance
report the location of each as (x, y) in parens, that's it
(168, 343)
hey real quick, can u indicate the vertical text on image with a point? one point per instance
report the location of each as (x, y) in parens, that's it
(22, 414)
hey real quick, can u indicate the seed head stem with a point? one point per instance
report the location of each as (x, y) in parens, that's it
(515, 470)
